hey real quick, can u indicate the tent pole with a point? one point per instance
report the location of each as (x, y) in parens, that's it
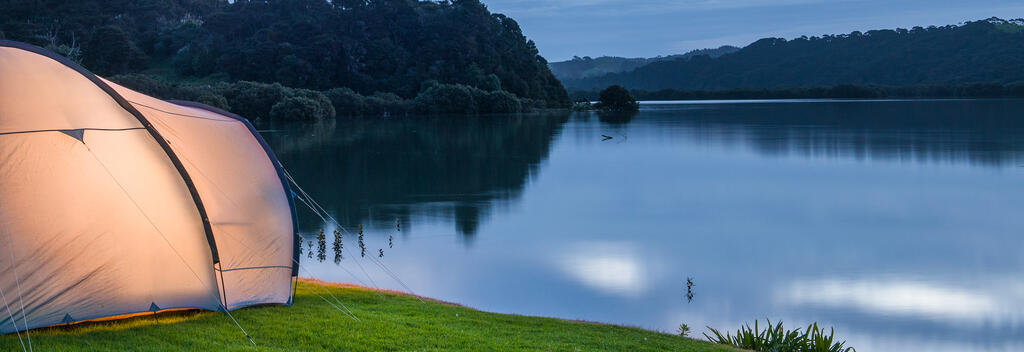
(224, 294)
(295, 286)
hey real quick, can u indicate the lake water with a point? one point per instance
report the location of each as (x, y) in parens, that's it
(900, 223)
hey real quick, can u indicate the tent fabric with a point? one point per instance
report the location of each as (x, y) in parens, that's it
(242, 193)
(277, 165)
(113, 202)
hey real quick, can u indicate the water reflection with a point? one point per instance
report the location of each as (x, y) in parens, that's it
(895, 222)
(983, 132)
(615, 117)
(608, 267)
(982, 314)
(900, 297)
(376, 171)
(338, 246)
(689, 290)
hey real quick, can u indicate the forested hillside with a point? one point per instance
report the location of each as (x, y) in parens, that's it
(988, 51)
(582, 67)
(395, 49)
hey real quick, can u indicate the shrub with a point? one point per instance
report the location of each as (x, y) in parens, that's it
(775, 338)
(386, 104)
(213, 99)
(346, 101)
(324, 106)
(500, 102)
(683, 330)
(255, 100)
(529, 105)
(479, 95)
(206, 94)
(297, 109)
(446, 98)
(349, 103)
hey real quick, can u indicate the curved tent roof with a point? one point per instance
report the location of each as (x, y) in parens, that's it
(113, 202)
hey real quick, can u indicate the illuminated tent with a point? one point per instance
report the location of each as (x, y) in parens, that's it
(114, 203)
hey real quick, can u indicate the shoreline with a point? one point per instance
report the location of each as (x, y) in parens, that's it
(314, 281)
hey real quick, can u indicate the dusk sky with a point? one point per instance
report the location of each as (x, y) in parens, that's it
(645, 28)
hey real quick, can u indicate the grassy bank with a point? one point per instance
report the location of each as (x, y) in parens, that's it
(388, 322)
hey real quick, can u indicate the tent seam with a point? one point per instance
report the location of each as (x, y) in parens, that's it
(273, 160)
(257, 268)
(74, 129)
(180, 114)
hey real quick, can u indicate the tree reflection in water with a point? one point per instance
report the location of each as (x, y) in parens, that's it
(383, 172)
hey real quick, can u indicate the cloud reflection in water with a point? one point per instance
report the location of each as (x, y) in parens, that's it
(609, 267)
(990, 302)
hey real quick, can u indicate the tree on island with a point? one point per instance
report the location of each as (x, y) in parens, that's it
(617, 98)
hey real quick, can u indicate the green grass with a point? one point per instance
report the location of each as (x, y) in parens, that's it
(389, 322)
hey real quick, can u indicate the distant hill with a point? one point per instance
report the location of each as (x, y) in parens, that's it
(392, 46)
(583, 67)
(986, 51)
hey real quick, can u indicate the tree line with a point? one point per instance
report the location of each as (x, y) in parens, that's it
(374, 52)
(275, 102)
(986, 51)
(976, 90)
(582, 67)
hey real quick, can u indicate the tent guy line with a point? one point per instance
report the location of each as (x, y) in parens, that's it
(347, 311)
(76, 129)
(180, 114)
(386, 270)
(323, 214)
(21, 299)
(354, 276)
(13, 321)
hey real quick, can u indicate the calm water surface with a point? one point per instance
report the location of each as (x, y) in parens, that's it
(897, 222)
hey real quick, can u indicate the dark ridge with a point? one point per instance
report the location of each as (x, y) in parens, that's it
(986, 51)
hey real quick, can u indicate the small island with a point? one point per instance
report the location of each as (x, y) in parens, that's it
(618, 99)
(615, 98)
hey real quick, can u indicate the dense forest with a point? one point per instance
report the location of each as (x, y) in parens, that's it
(396, 55)
(987, 51)
(582, 67)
